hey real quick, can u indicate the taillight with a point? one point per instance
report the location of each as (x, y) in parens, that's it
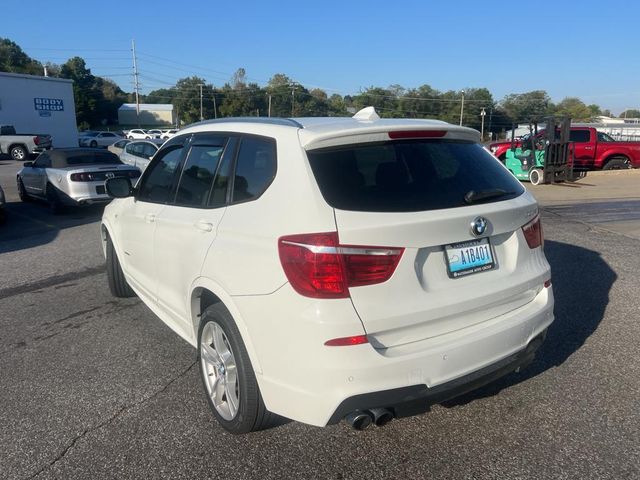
(533, 233)
(417, 134)
(317, 265)
(36, 140)
(81, 177)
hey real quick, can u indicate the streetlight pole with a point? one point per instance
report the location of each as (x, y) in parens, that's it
(482, 114)
(462, 108)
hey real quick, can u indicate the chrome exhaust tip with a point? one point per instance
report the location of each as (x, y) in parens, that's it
(381, 416)
(359, 420)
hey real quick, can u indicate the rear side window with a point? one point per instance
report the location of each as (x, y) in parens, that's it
(255, 168)
(579, 136)
(409, 176)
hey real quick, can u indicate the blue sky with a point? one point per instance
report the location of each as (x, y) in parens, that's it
(586, 49)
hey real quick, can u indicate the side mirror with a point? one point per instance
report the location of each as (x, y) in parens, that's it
(119, 187)
(27, 164)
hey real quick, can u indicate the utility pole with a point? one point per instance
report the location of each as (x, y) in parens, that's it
(135, 81)
(215, 107)
(482, 114)
(269, 105)
(293, 97)
(201, 116)
(462, 108)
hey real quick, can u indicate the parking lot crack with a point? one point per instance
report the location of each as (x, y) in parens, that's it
(122, 410)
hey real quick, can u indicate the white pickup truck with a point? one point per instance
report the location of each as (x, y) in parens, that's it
(21, 146)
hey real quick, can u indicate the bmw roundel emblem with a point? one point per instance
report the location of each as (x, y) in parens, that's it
(479, 226)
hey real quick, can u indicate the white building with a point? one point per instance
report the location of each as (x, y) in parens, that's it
(42, 105)
(151, 114)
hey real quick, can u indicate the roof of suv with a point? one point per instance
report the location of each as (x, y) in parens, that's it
(366, 125)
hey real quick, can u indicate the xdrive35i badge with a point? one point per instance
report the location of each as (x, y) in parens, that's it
(479, 226)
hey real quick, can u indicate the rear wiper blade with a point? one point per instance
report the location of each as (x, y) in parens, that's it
(473, 197)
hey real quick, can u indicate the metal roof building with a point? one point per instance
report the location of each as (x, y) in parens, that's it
(151, 114)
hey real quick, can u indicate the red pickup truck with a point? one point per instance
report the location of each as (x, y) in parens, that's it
(593, 150)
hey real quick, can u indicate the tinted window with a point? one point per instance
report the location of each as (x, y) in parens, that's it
(197, 175)
(408, 176)
(121, 143)
(43, 161)
(137, 149)
(92, 159)
(158, 179)
(148, 150)
(579, 136)
(218, 196)
(255, 168)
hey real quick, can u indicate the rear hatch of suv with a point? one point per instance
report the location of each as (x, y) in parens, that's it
(466, 232)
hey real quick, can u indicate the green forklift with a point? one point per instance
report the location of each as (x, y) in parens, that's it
(545, 156)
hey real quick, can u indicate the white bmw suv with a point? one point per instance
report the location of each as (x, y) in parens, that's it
(330, 268)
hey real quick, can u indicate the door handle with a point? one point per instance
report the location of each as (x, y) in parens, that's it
(204, 226)
(588, 148)
(150, 218)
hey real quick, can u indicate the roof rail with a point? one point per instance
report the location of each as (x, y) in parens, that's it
(285, 122)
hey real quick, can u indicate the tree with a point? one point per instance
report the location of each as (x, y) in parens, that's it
(575, 109)
(523, 107)
(185, 97)
(84, 91)
(630, 113)
(14, 60)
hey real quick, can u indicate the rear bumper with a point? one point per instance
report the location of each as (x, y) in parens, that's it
(304, 380)
(416, 399)
(40, 149)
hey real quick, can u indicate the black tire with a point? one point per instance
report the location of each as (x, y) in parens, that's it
(53, 199)
(618, 163)
(117, 283)
(252, 415)
(18, 152)
(93, 144)
(22, 192)
(535, 176)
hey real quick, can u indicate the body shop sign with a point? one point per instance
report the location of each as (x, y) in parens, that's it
(49, 104)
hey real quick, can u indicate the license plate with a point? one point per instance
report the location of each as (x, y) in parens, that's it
(469, 257)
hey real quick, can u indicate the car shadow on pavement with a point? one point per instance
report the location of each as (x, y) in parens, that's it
(32, 224)
(581, 284)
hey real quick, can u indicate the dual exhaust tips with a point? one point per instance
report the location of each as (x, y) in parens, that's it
(361, 419)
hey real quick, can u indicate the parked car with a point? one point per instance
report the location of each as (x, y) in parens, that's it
(154, 133)
(3, 209)
(137, 134)
(138, 153)
(167, 134)
(332, 268)
(98, 139)
(118, 146)
(592, 150)
(20, 146)
(71, 176)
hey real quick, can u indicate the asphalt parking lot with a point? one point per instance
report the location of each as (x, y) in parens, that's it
(97, 387)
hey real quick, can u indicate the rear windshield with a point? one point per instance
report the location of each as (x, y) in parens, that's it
(410, 176)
